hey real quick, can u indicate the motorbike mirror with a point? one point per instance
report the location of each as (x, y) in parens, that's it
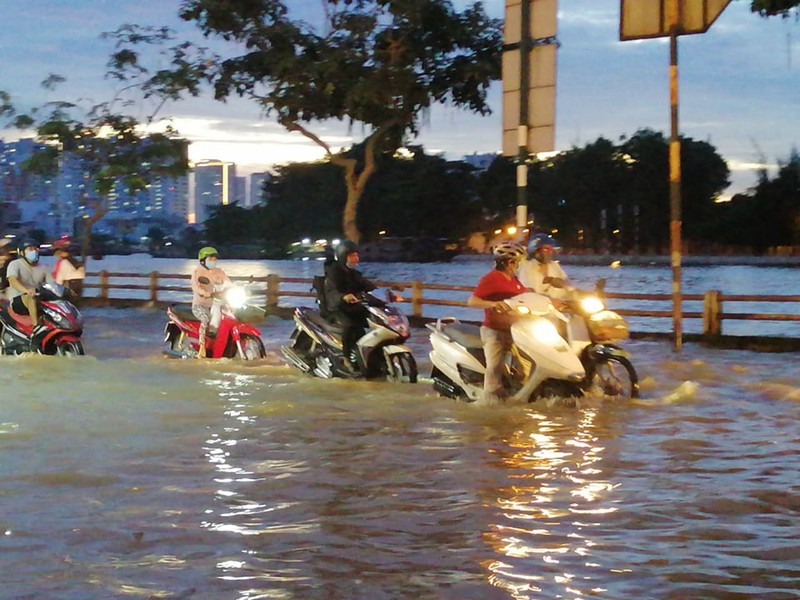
(600, 286)
(204, 280)
(390, 296)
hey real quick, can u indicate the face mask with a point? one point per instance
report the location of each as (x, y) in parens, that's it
(32, 256)
(210, 264)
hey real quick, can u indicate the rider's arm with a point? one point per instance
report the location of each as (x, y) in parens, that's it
(14, 281)
(198, 288)
(474, 302)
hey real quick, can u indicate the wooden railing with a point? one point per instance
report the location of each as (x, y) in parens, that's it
(104, 288)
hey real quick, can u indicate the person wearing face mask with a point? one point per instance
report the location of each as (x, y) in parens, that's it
(541, 273)
(203, 293)
(343, 283)
(25, 275)
(496, 286)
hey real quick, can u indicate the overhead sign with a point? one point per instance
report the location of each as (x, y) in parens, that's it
(540, 93)
(641, 19)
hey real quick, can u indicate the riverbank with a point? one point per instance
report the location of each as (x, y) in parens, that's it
(645, 260)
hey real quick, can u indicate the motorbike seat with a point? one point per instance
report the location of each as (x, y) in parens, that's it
(320, 321)
(466, 334)
(183, 312)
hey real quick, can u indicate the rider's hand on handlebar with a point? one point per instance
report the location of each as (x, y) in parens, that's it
(350, 298)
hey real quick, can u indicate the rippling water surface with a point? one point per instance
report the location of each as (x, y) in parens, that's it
(128, 475)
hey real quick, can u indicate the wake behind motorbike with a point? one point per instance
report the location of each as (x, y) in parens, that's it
(227, 335)
(553, 353)
(316, 344)
(61, 320)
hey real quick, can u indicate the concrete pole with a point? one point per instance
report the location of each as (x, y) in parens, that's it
(524, 114)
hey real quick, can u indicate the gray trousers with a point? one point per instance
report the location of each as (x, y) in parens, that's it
(496, 344)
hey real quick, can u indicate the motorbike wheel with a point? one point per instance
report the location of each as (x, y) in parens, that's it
(614, 376)
(69, 348)
(252, 348)
(403, 368)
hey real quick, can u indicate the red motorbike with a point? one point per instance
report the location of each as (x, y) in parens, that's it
(230, 338)
(61, 334)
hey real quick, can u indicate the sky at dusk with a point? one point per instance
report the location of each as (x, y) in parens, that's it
(739, 84)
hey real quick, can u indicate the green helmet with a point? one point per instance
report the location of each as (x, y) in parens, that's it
(206, 252)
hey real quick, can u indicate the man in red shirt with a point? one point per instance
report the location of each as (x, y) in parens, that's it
(497, 285)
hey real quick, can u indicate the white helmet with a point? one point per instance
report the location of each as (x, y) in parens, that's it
(508, 250)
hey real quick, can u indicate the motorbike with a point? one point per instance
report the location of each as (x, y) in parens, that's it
(227, 336)
(567, 353)
(62, 321)
(316, 343)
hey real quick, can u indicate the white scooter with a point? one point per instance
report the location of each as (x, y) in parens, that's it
(553, 353)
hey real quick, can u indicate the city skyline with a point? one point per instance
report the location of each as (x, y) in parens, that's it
(739, 85)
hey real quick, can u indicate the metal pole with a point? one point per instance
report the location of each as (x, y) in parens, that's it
(522, 131)
(675, 179)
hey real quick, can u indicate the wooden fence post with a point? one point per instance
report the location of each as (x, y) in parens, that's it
(154, 287)
(103, 293)
(273, 291)
(712, 313)
(416, 299)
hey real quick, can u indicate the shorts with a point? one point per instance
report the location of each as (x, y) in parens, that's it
(18, 306)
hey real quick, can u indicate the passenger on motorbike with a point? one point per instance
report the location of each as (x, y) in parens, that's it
(5, 258)
(25, 275)
(343, 283)
(543, 275)
(496, 286)
(203, 293)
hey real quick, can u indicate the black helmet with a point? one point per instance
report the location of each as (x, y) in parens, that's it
(344, 248)
(26, 243)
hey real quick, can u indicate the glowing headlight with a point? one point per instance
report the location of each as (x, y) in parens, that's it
(591, 305)
(523, 310)
(546, 332)
(236, 297)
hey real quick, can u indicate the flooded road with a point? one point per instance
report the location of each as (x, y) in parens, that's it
(128, 475)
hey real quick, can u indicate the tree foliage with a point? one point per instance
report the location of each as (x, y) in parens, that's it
(771, 8)
(377, 64)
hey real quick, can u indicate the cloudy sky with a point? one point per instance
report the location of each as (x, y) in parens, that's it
(739, 84)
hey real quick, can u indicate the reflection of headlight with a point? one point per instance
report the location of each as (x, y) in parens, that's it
(591, 305)
(524, 310)
(236, 297)
(546, 332)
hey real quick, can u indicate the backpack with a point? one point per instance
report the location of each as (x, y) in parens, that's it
(318, 286)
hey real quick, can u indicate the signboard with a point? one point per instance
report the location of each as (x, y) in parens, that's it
(641, 19)
(541, 75)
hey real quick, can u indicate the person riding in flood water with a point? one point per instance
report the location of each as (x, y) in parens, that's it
(541, 273)
(25, 275)
(203, 292)
(342, 284)
(497, 285)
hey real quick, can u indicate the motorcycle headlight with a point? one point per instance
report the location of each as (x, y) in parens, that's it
(236, 297)
(546, 332)
(591, 305)
(57, 318)
(394, 321)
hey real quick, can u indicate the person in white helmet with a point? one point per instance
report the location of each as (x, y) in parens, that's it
(497, 285)
(541, 273)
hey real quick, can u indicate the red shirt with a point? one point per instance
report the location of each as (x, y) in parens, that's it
(496, 285)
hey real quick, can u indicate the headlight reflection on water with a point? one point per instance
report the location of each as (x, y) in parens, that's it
(542, 538)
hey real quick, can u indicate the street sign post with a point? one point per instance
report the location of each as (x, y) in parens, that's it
(529, 87)
(642, 19)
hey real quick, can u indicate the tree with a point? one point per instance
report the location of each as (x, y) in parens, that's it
(109, 147)
(376, 64)
(771, 8)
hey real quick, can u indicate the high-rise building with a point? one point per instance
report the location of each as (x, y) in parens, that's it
(214, 185)
(257, 187)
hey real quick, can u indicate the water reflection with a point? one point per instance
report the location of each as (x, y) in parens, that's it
(557, 496)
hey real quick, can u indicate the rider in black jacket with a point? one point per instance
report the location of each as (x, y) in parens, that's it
(343, 283)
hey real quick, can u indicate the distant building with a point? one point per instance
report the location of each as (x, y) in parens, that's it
(480, 161)
(257, 187)
(214, 185)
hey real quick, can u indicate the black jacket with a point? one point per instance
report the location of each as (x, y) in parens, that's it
(340, 281)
